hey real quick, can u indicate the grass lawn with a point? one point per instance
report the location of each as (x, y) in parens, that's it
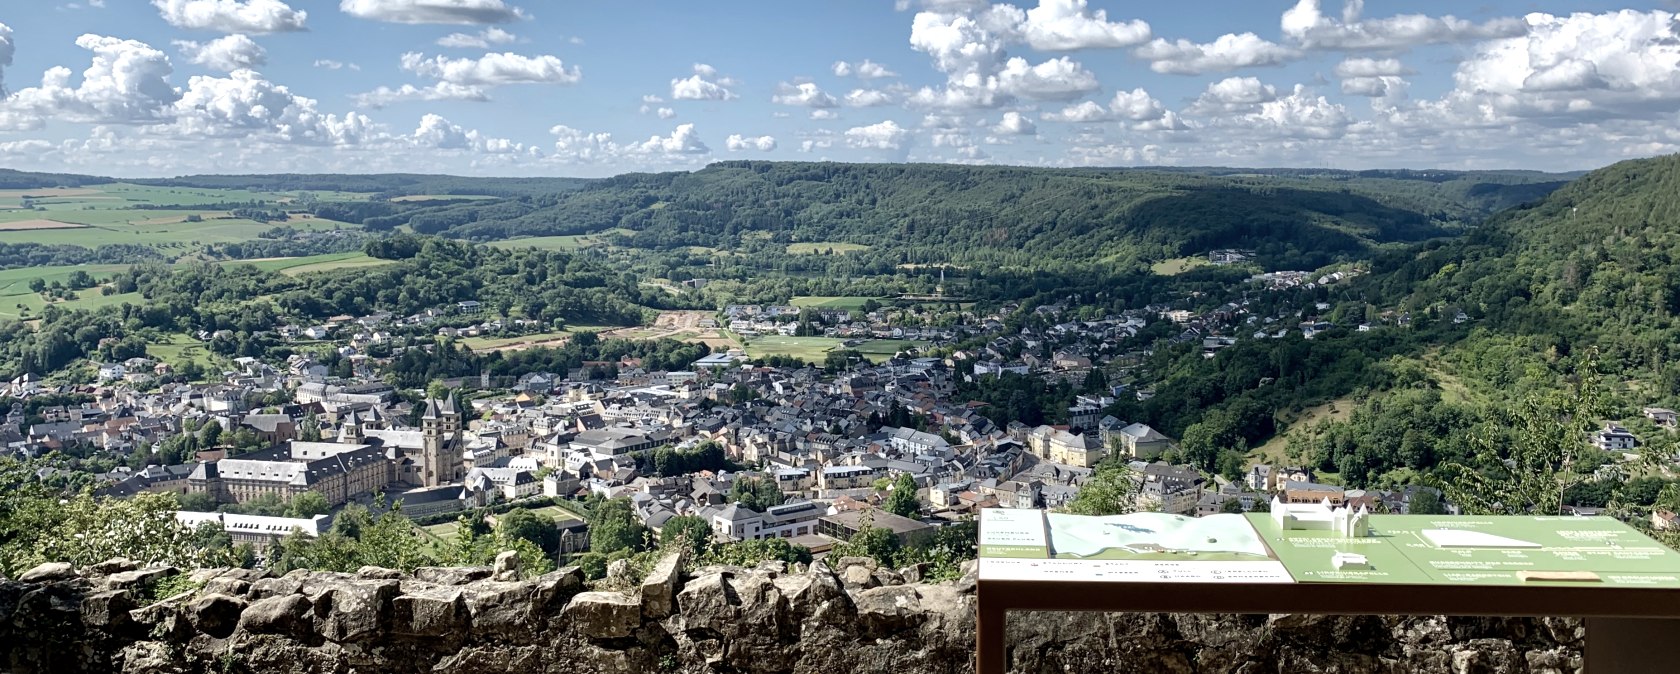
(112, 214)
(180, 349)
(482, 343)
(1178, 265)
(849, 303)
(293, 266)
(824, 247)
(442, 532)
(1272, 452)
(887, 347)
(808, 349)
(555, 513)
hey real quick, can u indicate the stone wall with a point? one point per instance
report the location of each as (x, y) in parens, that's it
(851, 619)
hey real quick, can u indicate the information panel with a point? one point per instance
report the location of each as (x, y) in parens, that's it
(1318, 544)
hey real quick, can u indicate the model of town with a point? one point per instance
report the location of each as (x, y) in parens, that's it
(335, 333)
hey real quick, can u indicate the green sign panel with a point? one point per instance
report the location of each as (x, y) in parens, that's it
(1312, 543)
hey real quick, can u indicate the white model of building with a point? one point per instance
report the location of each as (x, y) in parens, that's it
(1321, 517)
(1349, 560)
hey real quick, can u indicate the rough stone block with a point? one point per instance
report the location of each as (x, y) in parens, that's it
(604, 615)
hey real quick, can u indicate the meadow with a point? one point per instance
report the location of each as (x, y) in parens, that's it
(105, 214)
(293, 266)
(570, 242)
(849, 303)
(815, 349)
(824, 247)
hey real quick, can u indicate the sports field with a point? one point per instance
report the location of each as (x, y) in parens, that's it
(815, 349)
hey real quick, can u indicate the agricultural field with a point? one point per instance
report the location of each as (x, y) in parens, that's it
(824, 248)
(105, 214)
(815, 349)
(516, 343)
(849, 303)
(572, 242)
(18, 301)
(443, 197)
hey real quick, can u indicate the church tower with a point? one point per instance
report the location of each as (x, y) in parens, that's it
(350, 432)
(440, 442)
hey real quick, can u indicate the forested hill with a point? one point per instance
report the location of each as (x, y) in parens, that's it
(1595, 263)
(1008, 215)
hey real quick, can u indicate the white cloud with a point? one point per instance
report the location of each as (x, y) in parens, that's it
(243, 103)
(1015, 124)
(652, 98)
(232, 16)
(932, 121)
(482, 40)
(1302, 115)
(438, 133)
(1168, 121)
(887, 135)
(703, 85)
(1055, 79)
(1064, 25)
(665, 113)
(330, 64)
(1082, 112)
(1307, 25)
(1380, 86)
(804, 94)
(440, 91)
(574, 146)
(867, 69)
(1233, 94)
(457, 12)
(227, 54)
(1581, 66)
(683, 141)
(738, 143)
(6, 49)
(824, 114)
(493, 69)
(125, 84)
(1137, 105)
(868, 98)
(1369, 67)
(1228, 52)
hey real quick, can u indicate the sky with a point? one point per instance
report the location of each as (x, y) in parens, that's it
(148, 88)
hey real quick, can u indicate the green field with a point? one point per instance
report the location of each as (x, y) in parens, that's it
(849, 303)
(824, 247)
(815, 349)
(572, 242)
(483, 343)
(111, 214)
(1178, 265)
(887, 347)
(293, 266)
(179, 349)
(14, 289)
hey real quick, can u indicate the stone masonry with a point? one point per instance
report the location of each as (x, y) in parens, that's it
(850, 618)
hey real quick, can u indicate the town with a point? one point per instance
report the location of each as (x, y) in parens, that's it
(833, 441)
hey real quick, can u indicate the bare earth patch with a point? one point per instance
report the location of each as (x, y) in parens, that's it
(23, 225)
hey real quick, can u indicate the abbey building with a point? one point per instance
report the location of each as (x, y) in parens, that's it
(371, 454)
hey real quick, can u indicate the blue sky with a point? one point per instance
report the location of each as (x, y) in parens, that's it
(520, 87)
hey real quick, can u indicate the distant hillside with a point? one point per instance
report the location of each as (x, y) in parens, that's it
(26, 180)
(388, 184)
(1596, 262)
(1004, 215)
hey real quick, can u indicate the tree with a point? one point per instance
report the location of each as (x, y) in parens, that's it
(522, 524)
(755, 493)
(1231, 506)
(85, 530)
(870, 541)
(1426, 502)
(212, 433)
(1111, 491)
(1541, 437)
(309, 504)
(688, 530)
(197, 502)
(613, 526)
(902, 501)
